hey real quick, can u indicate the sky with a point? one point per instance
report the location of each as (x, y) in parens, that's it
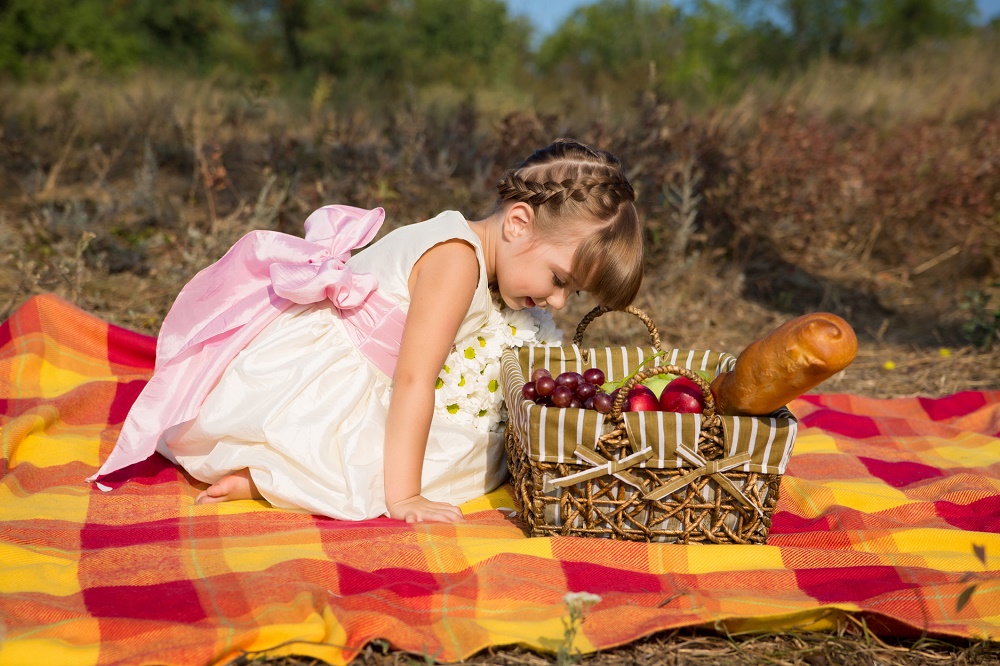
(546, 15)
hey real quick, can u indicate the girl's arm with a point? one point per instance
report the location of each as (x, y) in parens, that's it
(442, 285)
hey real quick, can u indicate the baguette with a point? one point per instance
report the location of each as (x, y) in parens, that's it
(784, 364)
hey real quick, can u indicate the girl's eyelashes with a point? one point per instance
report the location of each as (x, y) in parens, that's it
(557, 282)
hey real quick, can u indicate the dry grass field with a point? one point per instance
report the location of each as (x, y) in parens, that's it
(873, 193)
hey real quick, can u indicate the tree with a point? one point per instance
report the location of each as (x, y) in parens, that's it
(611, 39)
(114, 34)
(699, 51)
(32, 31)
(900, 24)
(856, 29)
(387, 44)
(467, 43)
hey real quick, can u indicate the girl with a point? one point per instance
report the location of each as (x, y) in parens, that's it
(292, 371)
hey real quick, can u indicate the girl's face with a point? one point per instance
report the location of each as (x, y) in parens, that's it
(532, 273)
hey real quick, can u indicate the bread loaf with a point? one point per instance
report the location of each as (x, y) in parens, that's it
(784, 364)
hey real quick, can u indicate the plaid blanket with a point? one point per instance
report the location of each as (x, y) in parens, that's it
(889, 510)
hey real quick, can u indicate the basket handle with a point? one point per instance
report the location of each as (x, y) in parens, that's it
(706, 389)
(654, 335)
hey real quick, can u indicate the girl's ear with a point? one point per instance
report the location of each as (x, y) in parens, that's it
(518, 221)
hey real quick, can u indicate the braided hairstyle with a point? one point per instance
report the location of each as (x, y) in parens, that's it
(577, 191)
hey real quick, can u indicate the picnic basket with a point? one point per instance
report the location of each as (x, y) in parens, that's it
(643, 476)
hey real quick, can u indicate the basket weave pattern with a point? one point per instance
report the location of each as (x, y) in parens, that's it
(609, 508)
(708, 497)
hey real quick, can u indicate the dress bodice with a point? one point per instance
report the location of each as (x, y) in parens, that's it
(391, 259)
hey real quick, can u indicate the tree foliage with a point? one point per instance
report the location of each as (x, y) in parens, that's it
(710, 44)
(41, 29)
(701, 46)
(856, 29)
(392, 42)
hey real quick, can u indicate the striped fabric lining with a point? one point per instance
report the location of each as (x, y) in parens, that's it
(552, 434)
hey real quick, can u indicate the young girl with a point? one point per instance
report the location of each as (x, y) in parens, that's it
(292, 371)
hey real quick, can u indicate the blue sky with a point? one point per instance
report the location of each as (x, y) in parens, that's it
(546, 15)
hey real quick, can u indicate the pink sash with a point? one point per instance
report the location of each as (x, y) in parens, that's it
(228, 303)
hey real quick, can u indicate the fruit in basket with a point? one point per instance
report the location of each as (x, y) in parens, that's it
(539, 373)
(685, 385)
(641, 389)
(570, 380)
(602, 403)
(643, 402)
(586, 390)
(641, 399)
(682, 395)
(562, 396)
(681, 402)
(594, 376)
(568, 389)
(545, 385)
(529, 392)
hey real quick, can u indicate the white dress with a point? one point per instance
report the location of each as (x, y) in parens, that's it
(305, 411)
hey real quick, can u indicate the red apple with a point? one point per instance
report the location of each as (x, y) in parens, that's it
(643, 402)
(679, 401)
(683, 385)
(641, 389)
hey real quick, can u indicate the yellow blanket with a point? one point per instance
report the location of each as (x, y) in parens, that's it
(890, 509)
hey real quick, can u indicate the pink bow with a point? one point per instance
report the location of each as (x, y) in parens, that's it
(326, 275)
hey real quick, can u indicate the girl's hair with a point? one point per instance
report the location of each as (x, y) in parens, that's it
(575, 190)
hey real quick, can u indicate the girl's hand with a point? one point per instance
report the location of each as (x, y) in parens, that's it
(419, 509)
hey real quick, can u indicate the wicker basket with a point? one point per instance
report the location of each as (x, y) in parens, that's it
(645, 476)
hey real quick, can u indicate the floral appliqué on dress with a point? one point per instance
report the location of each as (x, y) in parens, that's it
(468, 388)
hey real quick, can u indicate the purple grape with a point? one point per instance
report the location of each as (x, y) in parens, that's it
(575, 403)
(602, 403)
(585, 390)
(539, 373)
(570, 380)
(594, 376)
(545, 385)
(561, 396)
(529, 392)
(589, 403)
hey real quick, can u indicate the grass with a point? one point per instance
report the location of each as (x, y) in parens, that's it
(852, 643)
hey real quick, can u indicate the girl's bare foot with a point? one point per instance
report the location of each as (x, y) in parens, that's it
(235, 486)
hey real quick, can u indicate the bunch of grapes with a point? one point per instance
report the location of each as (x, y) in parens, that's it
(569, 389)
